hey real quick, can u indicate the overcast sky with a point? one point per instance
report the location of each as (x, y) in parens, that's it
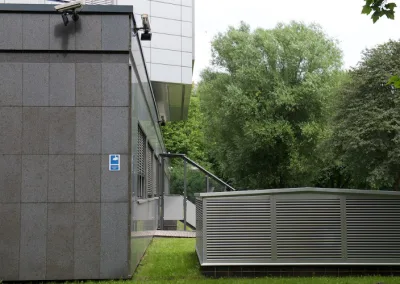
(341, 19)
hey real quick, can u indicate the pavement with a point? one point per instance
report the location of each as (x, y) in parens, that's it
(165, 234)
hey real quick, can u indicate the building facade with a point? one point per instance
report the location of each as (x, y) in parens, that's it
(71, 96)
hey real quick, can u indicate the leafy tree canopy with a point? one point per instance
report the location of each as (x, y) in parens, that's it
(264, 102)
(367, 125)
(379, 8)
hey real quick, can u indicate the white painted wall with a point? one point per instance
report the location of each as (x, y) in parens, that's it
(169, 55)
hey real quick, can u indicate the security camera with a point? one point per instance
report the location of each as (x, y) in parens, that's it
(71, 6)
(69, 9)
(146, 35)
(146, 22)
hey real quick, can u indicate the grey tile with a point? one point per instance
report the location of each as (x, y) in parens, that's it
(116, 34)
(62, 84)
(26, 57)
(11, 130)
(114, 240)
(11, 84)
(36, 84)
(62, 130)
(10, 178)
(9, 244)
(114, 185)
(88, 32)
(115, 84)
(61, 178)
(89, 57)
(115, 58)
(88, 84)
(35, 137)
(88, 130)
(61, 37)
(35, 31)
(32, 265)
(60, 241)
(10, 31)
(87, 241)
(87, 178)
(115, 130)
(62, 57)
(34, 178)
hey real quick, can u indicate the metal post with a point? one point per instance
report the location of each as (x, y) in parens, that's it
(184, 194)
(162, 176)
(208, 183)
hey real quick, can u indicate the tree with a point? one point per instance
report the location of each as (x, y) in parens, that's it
(367, 131)
(264, 102)
(379, 8)
(186, 136)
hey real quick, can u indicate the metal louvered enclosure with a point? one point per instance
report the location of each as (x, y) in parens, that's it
(302, 226)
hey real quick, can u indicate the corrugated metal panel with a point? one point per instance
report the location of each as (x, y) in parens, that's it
(199, 227)
(238, 230)
(373, 228)
(308, 229)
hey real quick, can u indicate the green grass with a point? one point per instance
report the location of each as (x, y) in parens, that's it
(175, 261)
(180, 227)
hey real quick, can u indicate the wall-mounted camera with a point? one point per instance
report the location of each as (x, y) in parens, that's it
(146, 35)
(69, 9)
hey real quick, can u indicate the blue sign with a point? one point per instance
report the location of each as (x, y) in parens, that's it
(114, 163)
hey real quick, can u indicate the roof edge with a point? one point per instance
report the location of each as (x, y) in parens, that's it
(49, 8)
(298, 190)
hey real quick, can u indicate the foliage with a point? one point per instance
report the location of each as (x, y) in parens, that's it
(264, 102)
(379, 8)
(367, 125)
(186, 136)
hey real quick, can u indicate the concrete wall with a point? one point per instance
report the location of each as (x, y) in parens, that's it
(64, 107)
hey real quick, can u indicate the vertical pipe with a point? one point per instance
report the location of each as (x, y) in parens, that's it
(185, 194)
(162, 193)
(208, 183)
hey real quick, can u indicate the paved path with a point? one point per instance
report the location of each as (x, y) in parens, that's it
(175, 234)
(165, 234)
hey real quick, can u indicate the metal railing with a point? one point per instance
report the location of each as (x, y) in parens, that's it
(209, 178)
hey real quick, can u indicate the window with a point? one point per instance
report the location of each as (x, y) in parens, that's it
(150, 171)
(141, 162)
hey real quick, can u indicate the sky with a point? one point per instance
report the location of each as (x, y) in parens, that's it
(340, 19)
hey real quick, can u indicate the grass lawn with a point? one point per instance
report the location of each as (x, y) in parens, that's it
(175, 261)
(180, 226)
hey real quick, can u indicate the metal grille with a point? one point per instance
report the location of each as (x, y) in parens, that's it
(308, 229)
(150, 171)
(141, 152)
(238, 230)
(157, 176)
(373, 228)
(199, 226)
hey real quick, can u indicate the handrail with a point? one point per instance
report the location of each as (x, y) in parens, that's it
(183, 156)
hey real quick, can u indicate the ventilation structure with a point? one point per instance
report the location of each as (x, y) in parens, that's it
(238, 230)
(199, 226)
(308, 229)
(304, 226)
(373, 228)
